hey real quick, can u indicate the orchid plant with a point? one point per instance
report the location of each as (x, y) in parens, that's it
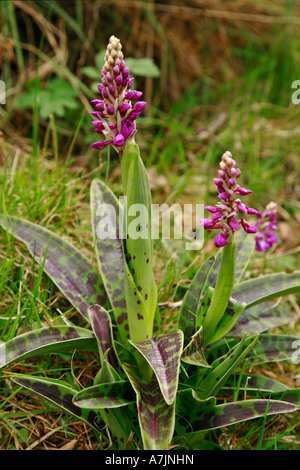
(164, 383)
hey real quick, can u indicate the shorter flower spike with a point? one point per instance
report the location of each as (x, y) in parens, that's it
(115, 113)
(266, 226)
(225, 212)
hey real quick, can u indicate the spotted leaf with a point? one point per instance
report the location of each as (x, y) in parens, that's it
(138, 245)
(106, 395)
(163, 353)
(260, 289)
(73, 274)
(195, 416)
(61, 394)
(269, 348)
(260, 318)
(194, 352)
(106, 214)
(46, 340)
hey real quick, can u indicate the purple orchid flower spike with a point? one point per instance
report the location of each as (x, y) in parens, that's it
(225, 212)
(266, 226)
(115, 113)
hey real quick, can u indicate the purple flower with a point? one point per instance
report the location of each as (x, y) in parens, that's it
(115, 113)
(266, 226)
(225, 212)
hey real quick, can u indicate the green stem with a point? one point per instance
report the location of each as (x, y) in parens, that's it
(222, 291)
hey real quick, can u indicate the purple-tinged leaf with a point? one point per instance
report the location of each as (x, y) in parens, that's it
(61, 394)
(191, 303)
(52, 339)
(106, 395)
(269, 348)
(102, 328)
(272, 348)
(73, 274)
(290, 396)
(163, 353)
(106, 213)
(250, 383)
(194, 352)
(195, 416)
(156, 417)
(260, 318)
(260, 289)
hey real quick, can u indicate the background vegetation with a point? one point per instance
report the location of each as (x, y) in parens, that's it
(218, 76)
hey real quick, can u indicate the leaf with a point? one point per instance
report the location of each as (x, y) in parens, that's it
(266, 287)
(270, 388)
(46, 340)
(290, 396)
(200, 417)
(163, 354)
(260, 318)
(140, 286)
(251, 383)
(231, 314)
(156, 417)
(222, 292)
(73, 274)
(269, 348)
(59, 393)
(194, 352)
(191, 303)
(110, 250)
(102, 328)
(58, 96)
(272, 348)
(143, 67)
(105, 395)
(213, 380)
(119, 420)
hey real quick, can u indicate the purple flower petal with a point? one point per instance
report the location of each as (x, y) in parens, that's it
(211, 209)
(101, 145)
(247, 227)
(234, 224)
(220, 240)
(133, 95)
(119, 140)
(224, 196)
(242, 191)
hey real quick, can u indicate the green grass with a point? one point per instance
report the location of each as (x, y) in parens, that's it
(48, 169)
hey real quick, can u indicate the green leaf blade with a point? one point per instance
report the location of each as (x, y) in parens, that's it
(163, 353)
(44, 341)
(73, 274)
(109, 250)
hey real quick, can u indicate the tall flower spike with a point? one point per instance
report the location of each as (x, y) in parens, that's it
(115, 113)
(225, 212)
(266, 226)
